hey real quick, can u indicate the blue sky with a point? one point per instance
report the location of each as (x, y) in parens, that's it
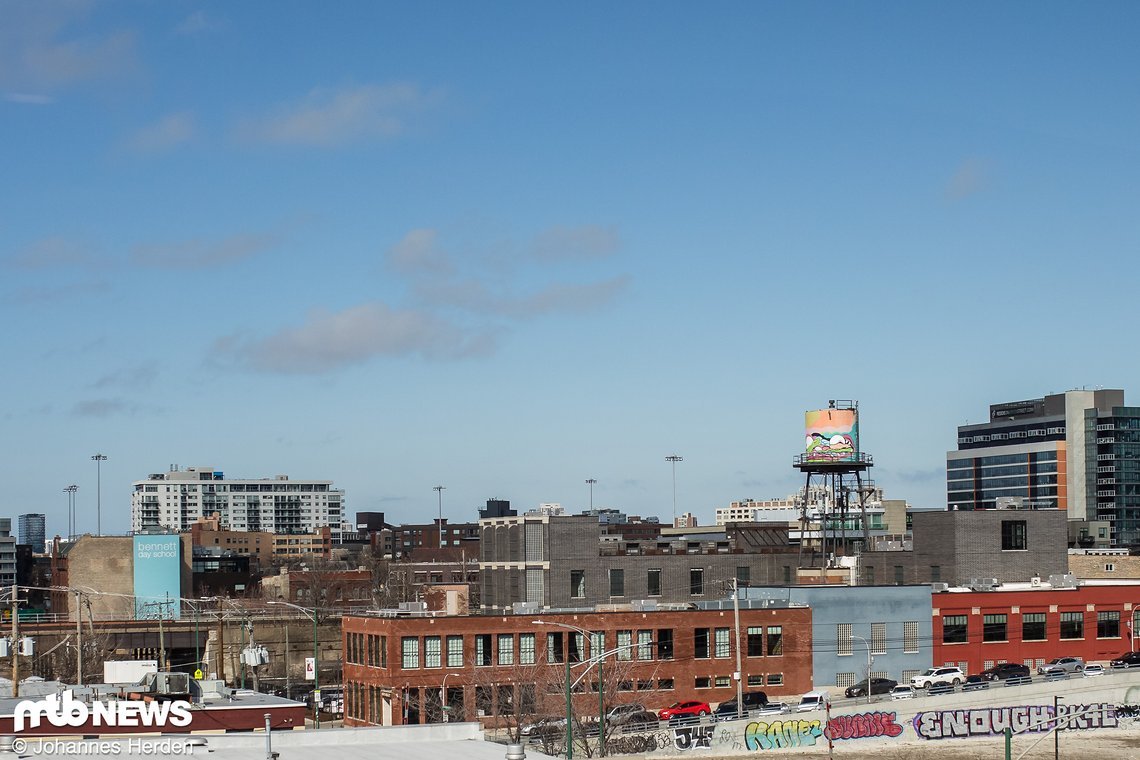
(506, 247)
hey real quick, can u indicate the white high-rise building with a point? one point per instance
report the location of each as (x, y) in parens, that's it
(174, 500)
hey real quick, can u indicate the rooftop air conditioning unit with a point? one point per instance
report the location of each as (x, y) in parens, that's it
(643, 605)
(937, 587)
(525, 608)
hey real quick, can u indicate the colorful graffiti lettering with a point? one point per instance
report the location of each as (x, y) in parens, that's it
(693, 736)
(862, 726)
(955, 724)
(782, 734)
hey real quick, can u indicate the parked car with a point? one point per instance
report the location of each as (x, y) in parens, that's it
(813, 700)
(544, 728)
(1126, 660)
(773, 708)
(878, 686)
(975, 682)
(1004, 670)
(688, 710)
(940, 687)
(751, 700)
(902, 692)
(619, 715)
(1094, 670)
(1062, 665)
(928, 677)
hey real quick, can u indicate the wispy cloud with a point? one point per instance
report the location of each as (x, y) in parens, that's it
(168, 132)
(200, 254)
(475, 297)
(418, 252)
(48, 46)
(102, 407)
(28, 98)
(54, 252)
(135, 378)
(969, 178)
(197, 23)
(332, 340)
(330, 118)
(585, 242)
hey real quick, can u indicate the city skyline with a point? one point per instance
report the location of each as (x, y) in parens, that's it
(535, 246)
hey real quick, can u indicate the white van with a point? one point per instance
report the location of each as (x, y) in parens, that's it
(813, 700)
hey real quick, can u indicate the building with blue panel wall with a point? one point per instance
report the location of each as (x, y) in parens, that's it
(158, 576)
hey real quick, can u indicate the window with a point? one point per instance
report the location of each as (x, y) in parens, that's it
(506, 649)
(665, 684)
(597, 643)
(843, 639)
(721, 682)
(1072, 625)
(1109, 567)
(1033, 626)
(720, 642)
(554, 648)
(878, 638)
(617, 582)
(645, 645)
(993, 628)
(1013, 535)
(1108, 624)
(775, 640)
(665, 643)
(843, 680)
(577, 584)
(701, 643)
(900, 577)
(756, 641)
(654, 579)
(482, 649)
(624, 645)
(410, 646)
(756, 680)
(697, 581)
(910, 636)
(775, 679)
(432, 654)
(701, 682)
(455, 651)
(954, 629)
(936, 573)
(577, 644)
(743, 576)
(788, 575)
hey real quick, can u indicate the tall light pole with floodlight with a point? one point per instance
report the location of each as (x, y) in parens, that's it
(439, 491)
(673, 458)
(70, 491)
(99, 460)
(590, 482)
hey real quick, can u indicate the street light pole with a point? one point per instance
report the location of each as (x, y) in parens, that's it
(99, 460)
(316, 661)
(586, 636)
(70, 491)
(673, 458)
(590, 482)
(869, 662)
(439, 491)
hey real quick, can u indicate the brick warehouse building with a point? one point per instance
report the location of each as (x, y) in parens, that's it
(1033, 624)
(504, 668)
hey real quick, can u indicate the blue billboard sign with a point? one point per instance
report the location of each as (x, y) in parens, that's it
(158, 576)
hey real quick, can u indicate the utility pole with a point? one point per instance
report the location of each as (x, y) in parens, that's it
(736, 628)
(15, 641)
(288, 691)
(221, 647)
(78, 639)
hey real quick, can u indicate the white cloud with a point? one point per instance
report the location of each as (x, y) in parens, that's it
(418, 252)
(199, 254)
(586, 241)
(44, 46)
(28, 98)
(102, 407)
(332, 340)
(168, 132)
(475, 297)
(54, 252)
(329, 118)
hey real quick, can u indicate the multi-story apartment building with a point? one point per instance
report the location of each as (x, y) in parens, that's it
(7, 553)
(1077, 451)
(32, 530)
(175, 500)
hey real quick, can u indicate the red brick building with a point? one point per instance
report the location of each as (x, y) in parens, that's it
(395, 668)
(978, 629)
